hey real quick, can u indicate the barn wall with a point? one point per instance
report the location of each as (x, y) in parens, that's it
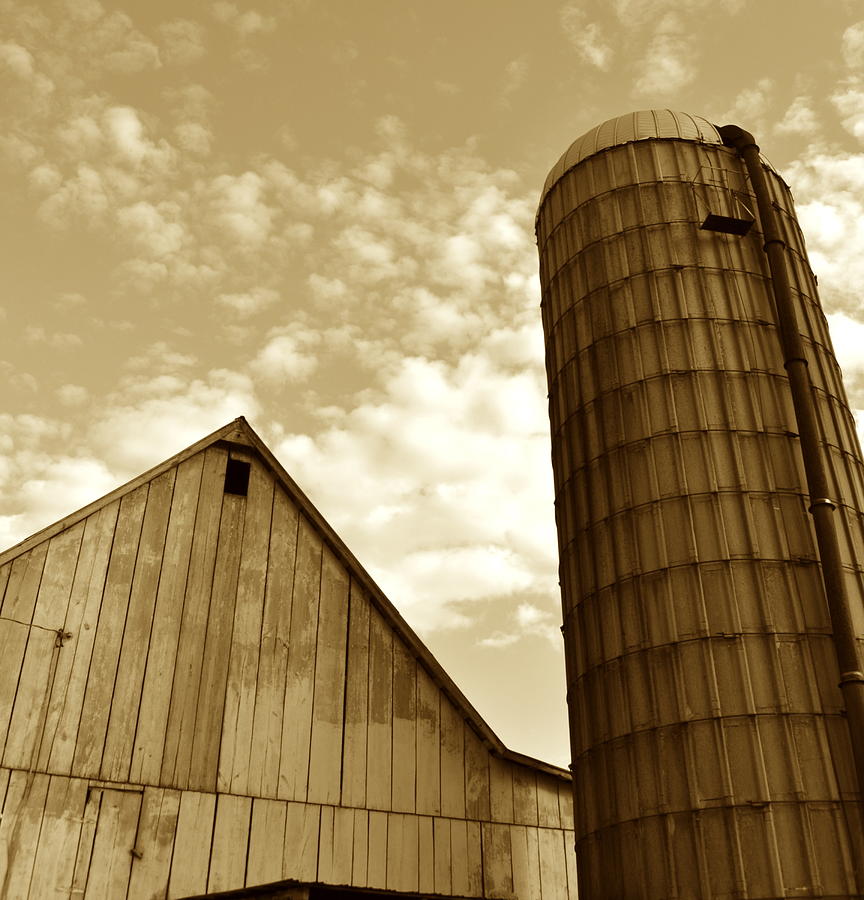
(65, 836)
(212, 652)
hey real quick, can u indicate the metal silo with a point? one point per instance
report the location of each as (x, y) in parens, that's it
(711, 749)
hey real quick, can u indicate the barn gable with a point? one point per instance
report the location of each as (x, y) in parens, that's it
(203, 691)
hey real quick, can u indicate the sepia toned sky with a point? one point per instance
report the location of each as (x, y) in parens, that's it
(320, 216)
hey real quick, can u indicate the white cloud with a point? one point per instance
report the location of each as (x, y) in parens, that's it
(240, 207)
(800, 118)
(853, 46)
(668, 65)
(749, 106)
(850, 104)
(194, 137)
(57, 340)
(115, 43)
(72, 394)
(829, 189)
(286, 357)
(17, 59)
(150, 229)
(160, 358)
(126, 132)
(245, 23)
(528, 620)
(182, 42)
(847, 336)
(515, 73)
(249, 302)
(586, 37)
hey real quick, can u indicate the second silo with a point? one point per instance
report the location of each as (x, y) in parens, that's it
(711, 754)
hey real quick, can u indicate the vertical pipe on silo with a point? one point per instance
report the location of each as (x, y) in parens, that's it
(821, 506)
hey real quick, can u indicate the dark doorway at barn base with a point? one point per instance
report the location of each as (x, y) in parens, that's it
(292, 890)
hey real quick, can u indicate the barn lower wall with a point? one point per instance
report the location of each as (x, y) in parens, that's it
(73, 837)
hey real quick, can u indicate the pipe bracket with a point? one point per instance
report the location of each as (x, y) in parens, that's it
(779, 241)
(854, 677)
(821, 501)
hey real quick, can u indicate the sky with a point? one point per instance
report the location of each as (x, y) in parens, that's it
(320, 216)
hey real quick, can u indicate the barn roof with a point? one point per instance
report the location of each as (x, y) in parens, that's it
(239, 433)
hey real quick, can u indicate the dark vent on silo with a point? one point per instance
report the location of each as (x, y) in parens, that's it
(237, 477)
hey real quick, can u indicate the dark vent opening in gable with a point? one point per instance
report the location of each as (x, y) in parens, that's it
(237, 477)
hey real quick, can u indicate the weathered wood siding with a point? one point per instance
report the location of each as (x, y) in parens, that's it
(195, 675)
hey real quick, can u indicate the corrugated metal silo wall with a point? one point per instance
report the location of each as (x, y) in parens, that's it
(710, 755)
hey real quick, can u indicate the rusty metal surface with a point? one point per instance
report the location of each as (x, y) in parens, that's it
(711, 757)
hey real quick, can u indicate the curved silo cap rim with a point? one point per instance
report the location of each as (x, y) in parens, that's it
(642, 125)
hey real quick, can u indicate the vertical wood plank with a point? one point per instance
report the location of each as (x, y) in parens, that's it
(548, 814)
(109, 633)
(526, 867)
(73, 663)
(55, 585)
(165, 634)
(325, 846)
(501, 789)
(266, 842)
(343, 846)
(191, 859)
(31, 700)
(297, 713)
(360, 862)
(452, 761)
(336, 847)
(19, 830)
(477, 802)
(328, 709)
(532, 842)
(524, 795)
(426, 862)
(176, 760)
(302, 830)
(377, 864)
(443, 865)
(475, 859)
(404, 729)
(565, 804)
(460, 884)
(111, 861)
(570, 857)
(230, 843)
(380, 728)
(239, 714)
(207, 734)
(85, 843)
(356, 701)
(4, 784)
(14, 570)
(403, 853)
(155, 842)
(428, 745)
(58, 838)
(120, 736)
(23, 586)
(5, 569)
(13, 643)
(497, 861)
(266, 746)
(553, 865)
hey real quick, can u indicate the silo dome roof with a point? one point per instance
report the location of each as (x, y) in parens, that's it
(635, 126)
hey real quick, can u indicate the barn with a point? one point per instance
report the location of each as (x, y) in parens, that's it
(203, 693)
